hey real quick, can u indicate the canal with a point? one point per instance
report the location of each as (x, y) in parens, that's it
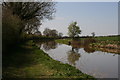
(95, 63)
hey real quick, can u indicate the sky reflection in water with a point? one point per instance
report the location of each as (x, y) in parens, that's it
(96, 63)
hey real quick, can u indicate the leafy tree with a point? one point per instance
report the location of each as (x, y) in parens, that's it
(73, 30)
(38, 33)
(46, 32)
(60, 34)
(54, 33)
(50, 33)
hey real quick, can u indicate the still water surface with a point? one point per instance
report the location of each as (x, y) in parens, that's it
(95, 63)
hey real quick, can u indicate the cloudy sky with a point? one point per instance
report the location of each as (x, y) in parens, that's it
(98, 17)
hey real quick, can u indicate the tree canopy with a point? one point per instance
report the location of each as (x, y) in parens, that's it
(73, 30)
(20, 18)
(50, 32)
(31, 13)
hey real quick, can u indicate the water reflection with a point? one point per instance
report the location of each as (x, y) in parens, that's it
(88, 49)
(49, 45)
(75, 45)
(73, 56)
(100, 64)
(79, 44)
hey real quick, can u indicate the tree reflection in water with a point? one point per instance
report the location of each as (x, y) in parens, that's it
(49, 45)
(88, 49)
(80, 44)
(73, 55)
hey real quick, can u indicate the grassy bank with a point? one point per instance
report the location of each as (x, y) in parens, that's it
(63, 41)
(106, 44)
(100, 38)
(28, 61)
(108, 38)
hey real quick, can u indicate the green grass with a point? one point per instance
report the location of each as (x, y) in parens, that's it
(107, 39)
(100, 42)
(63, 41)
(112, 38)
(28, 61)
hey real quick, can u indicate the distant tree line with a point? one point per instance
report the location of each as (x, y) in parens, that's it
(48, 34)
(51, 33)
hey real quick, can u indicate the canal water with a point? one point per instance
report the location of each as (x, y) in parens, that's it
(95, 63)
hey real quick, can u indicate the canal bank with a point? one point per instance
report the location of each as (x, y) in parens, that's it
(30, 62)
(98, 62)
(112, 46)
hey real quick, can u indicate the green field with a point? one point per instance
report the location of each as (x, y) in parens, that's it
(112, 38)
(63, 41)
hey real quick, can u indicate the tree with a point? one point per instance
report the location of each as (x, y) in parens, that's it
(23, 17)
(60, 34)
(38, 33)
(50, 33)
(93, 34)
(46, 32)
(54, 33)
(31, 13)
(73, 30)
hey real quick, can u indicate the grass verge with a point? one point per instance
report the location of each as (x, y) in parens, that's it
(28, 61)
(63, 41)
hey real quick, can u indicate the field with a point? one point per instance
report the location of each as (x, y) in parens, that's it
(110, 38)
